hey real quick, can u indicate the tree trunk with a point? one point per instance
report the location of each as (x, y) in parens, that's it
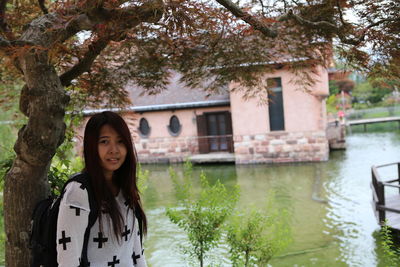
(43, 100)
(201, 254)
(247, 257)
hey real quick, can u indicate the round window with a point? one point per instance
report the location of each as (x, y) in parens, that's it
(174, 126)
(144, 128)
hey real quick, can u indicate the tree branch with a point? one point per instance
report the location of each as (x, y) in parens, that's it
(248, 18)
(84, 64)
(43, 7)
(340, 12)
(340, 31)
(327, 26)
(78, 20)
(3, 4)
(131, 17)
(4, 27)
(6, 45)
(310, 24)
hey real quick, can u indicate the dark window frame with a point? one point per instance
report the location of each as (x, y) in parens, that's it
(276, 93)
(144, 135)
(169, 126)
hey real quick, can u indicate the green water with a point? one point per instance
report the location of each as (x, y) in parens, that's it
(329, 202)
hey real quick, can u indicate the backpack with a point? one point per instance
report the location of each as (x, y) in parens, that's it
(44, 226)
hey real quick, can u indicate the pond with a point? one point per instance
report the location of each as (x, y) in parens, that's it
(330, 205)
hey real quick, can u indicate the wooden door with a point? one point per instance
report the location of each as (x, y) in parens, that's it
(215, 132)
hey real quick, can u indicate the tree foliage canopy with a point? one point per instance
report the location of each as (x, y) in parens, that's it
(143, 41)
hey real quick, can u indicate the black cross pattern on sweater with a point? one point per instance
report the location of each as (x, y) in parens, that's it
(100, 239)
(114, 262)
(77, 210)
(64, 240)
(126, 233)
(135, 257)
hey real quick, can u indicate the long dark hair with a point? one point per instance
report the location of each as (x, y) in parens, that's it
(125, 177)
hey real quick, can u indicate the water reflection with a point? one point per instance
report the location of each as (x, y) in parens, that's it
(330, 204)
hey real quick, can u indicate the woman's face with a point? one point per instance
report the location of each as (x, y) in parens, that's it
(112, 150)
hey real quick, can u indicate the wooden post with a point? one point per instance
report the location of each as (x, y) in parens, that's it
(381, 196)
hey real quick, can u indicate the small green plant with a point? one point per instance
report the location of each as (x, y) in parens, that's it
(142, 178)
(5, 166)
(391, 253)
(201, 215)
(65, 162)
(256, 236)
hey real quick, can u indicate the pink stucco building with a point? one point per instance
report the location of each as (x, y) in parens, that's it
(181, 123)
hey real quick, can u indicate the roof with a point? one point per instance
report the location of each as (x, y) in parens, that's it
(175, 93)
(175, 96)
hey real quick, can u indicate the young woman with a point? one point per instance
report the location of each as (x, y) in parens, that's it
(110, 165)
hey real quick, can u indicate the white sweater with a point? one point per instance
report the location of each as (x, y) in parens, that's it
(104, 250)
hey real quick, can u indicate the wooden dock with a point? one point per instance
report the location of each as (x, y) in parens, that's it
(365, 122)
(386, 207)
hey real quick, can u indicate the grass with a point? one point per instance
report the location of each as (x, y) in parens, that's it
(376, 127)
(380, 114)
(371, 113)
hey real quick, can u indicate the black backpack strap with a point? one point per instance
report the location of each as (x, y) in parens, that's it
(140, 221)
(84, 179)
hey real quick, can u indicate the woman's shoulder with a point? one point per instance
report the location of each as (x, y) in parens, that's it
(76, 195)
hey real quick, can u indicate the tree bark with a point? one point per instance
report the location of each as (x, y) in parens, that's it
(26, 183)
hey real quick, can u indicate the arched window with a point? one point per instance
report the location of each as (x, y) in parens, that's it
(174, 126)
(144, 128)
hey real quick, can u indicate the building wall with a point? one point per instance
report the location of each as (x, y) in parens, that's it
(304, 137)
(159, 120)
(304, 108)
(160, 145)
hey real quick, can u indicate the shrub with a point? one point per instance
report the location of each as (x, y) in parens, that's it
(391, 253)
(255, 236)
(201, 216)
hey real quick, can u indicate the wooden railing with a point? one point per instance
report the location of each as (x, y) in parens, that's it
(378, 185)
(211, 143)
(365, 122)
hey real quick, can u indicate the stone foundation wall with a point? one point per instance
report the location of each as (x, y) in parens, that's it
(166, 150)
(280, 147)
(276, 147)
(272, 147)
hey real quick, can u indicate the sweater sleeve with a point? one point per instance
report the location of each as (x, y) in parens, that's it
(73, 218)
(139, 259)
